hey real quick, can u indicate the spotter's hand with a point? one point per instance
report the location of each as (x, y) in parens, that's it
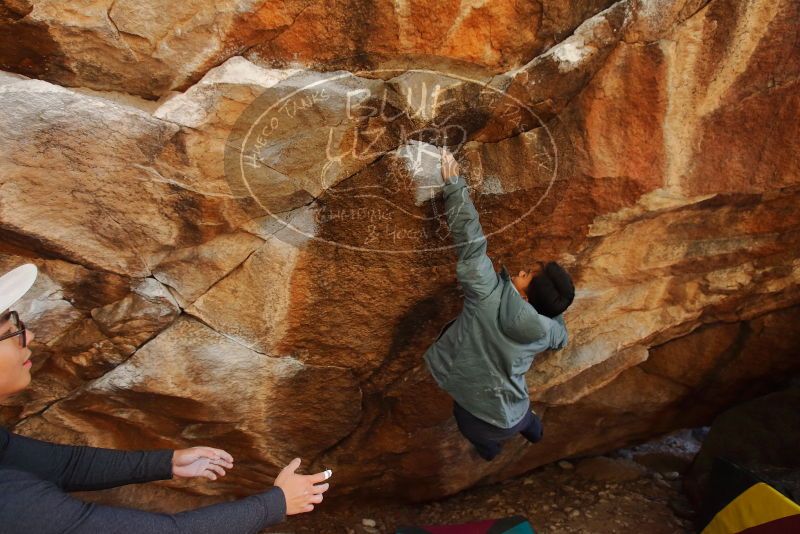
(201, 462)
(302, 492)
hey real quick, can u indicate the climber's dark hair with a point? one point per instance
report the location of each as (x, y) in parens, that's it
(551, 291)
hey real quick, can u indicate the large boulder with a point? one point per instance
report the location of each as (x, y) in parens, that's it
(259, 260)
(761, 437)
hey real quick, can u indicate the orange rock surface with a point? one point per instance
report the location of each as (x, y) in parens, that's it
(256, 260)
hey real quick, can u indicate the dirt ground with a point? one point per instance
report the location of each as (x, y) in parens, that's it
(631, 491)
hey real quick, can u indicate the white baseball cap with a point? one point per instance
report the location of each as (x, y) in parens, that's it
(15, 283)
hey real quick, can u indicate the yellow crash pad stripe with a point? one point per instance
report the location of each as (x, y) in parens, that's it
(759, 504)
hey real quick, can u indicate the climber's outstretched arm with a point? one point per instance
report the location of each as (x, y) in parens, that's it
(474, 268)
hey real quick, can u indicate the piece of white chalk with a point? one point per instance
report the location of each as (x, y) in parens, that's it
(328, 474)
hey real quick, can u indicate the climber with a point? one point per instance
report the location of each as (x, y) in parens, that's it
(35, 475)
(480, 358)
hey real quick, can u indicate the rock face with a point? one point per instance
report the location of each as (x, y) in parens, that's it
(766, 449)
(154, 47)
(258, 260)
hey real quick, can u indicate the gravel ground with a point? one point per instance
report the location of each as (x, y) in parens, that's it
(604, 494)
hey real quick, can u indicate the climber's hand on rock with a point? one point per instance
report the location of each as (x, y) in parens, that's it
(302, 492)
(449, 166)
(201, 462)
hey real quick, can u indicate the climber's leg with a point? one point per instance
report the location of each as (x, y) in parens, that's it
(533, 429)
(489, 450)
(484, 437)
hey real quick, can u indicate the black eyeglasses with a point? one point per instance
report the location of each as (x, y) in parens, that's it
(17, 328)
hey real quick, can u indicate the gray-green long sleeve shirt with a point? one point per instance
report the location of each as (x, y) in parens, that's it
(482, 358)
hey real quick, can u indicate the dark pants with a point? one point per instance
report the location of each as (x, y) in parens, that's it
(487, 438)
